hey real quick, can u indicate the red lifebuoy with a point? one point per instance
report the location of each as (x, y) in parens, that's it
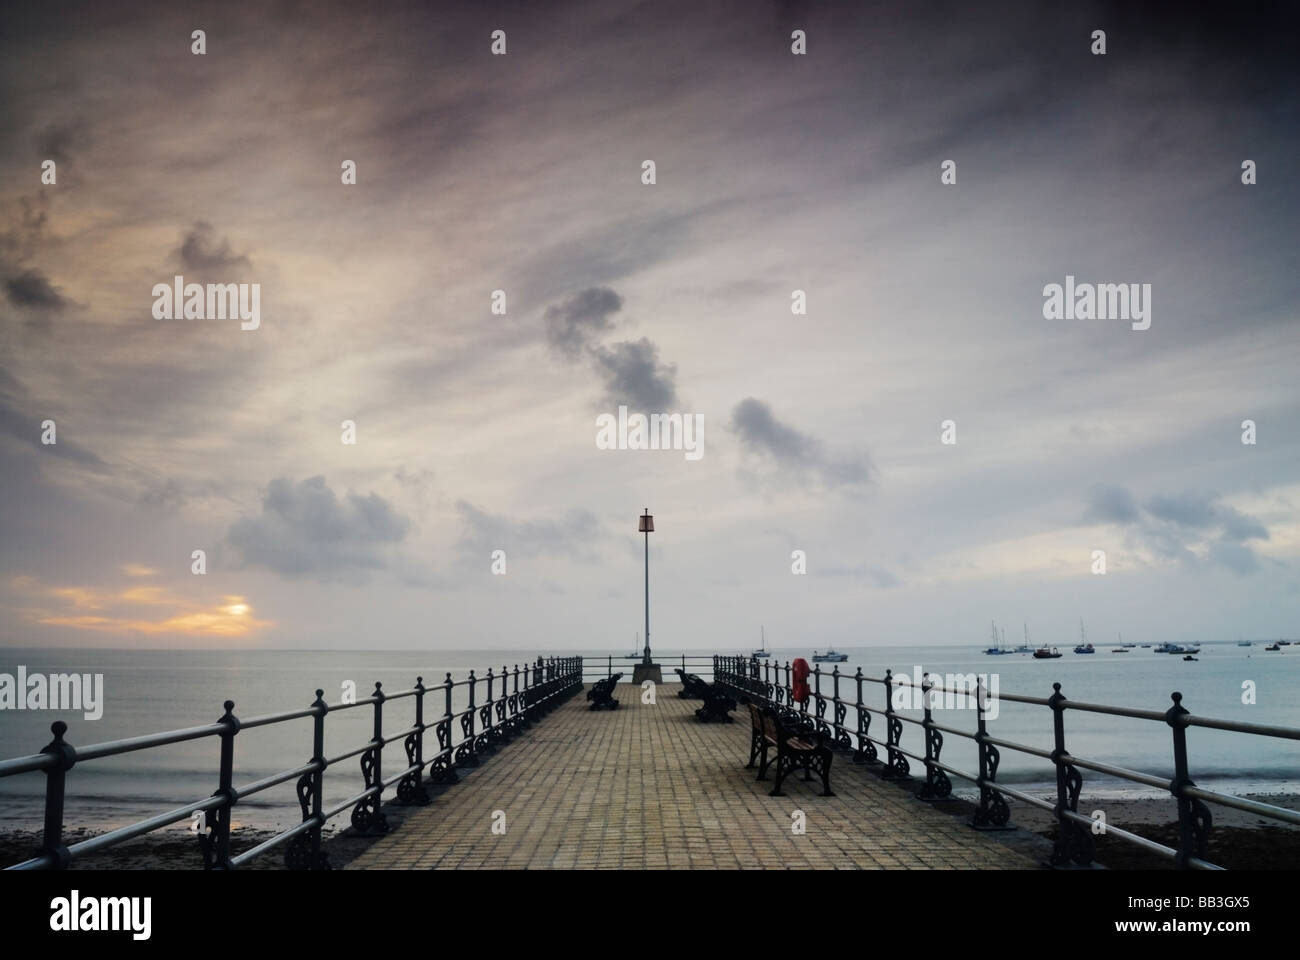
(799, 683)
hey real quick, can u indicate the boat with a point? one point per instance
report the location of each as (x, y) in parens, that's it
(1243, 643)
(1284, 643)
(1189, 657)
(1083, 646)
(997, 647)
(1144, 645)
(762, 645)
(1191, 650)
(1167, 647)
(1043, 653)
(1272, 646)
(1025, 647)
(830, 656)
(1119, 649)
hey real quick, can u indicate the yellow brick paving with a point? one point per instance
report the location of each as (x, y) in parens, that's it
(650, 787)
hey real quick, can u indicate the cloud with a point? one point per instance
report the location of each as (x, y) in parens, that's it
(118, 611)
(571, 324)
(31, 289)
(1111, 504)
(631, 370)
(17, 421)
(793, 457)
(1194, 528)
(484, 532)
(61, 141)
(634, 376)
(202, 251)
(304, 530)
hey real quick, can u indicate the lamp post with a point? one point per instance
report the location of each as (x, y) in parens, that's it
(646, 669)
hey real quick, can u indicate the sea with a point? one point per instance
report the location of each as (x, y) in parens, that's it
(148, 691)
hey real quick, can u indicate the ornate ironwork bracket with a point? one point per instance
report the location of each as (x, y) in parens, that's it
(896, 765)
(1074, 842)
(937, 785)
(993, 812)
(367, 816)
(410, 789)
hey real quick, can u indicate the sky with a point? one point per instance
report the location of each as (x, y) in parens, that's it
(774, 172)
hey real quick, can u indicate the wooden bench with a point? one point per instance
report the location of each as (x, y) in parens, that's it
(794, 748)
(601, 693)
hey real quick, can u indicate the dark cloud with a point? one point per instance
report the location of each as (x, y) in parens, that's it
(203, 251)
(1171, 525)
(304, 530)
(19, 421)
(60, 142)
(793, 456)
(571, 324)
(32, 290)
(634, 376)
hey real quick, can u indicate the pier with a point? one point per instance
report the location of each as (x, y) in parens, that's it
(647, 786)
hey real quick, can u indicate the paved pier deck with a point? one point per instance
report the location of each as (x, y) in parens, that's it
(650, 787)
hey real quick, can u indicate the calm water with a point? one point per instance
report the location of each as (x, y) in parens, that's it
(150, 691)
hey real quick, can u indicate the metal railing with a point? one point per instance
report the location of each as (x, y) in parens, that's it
(602, 665)
(771, 684)
(500, 716)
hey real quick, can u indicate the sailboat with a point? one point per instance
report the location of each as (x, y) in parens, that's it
(1084, 646)
(1025, 647)
(1123, 647)
(997, 647)
(762, 646)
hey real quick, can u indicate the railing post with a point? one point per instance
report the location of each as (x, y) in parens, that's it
(609, 666)
(1074, 844)
(467, 752)
(410, 789)
(304, 851)
(516, 720)
(896, 765)
(368, 816)
(993, 812)
(823, 730)
(488, 737)
(443, 768)
(1194, 818)
(216, 843)
(937, 785)
(866, 752)
(52, 844)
